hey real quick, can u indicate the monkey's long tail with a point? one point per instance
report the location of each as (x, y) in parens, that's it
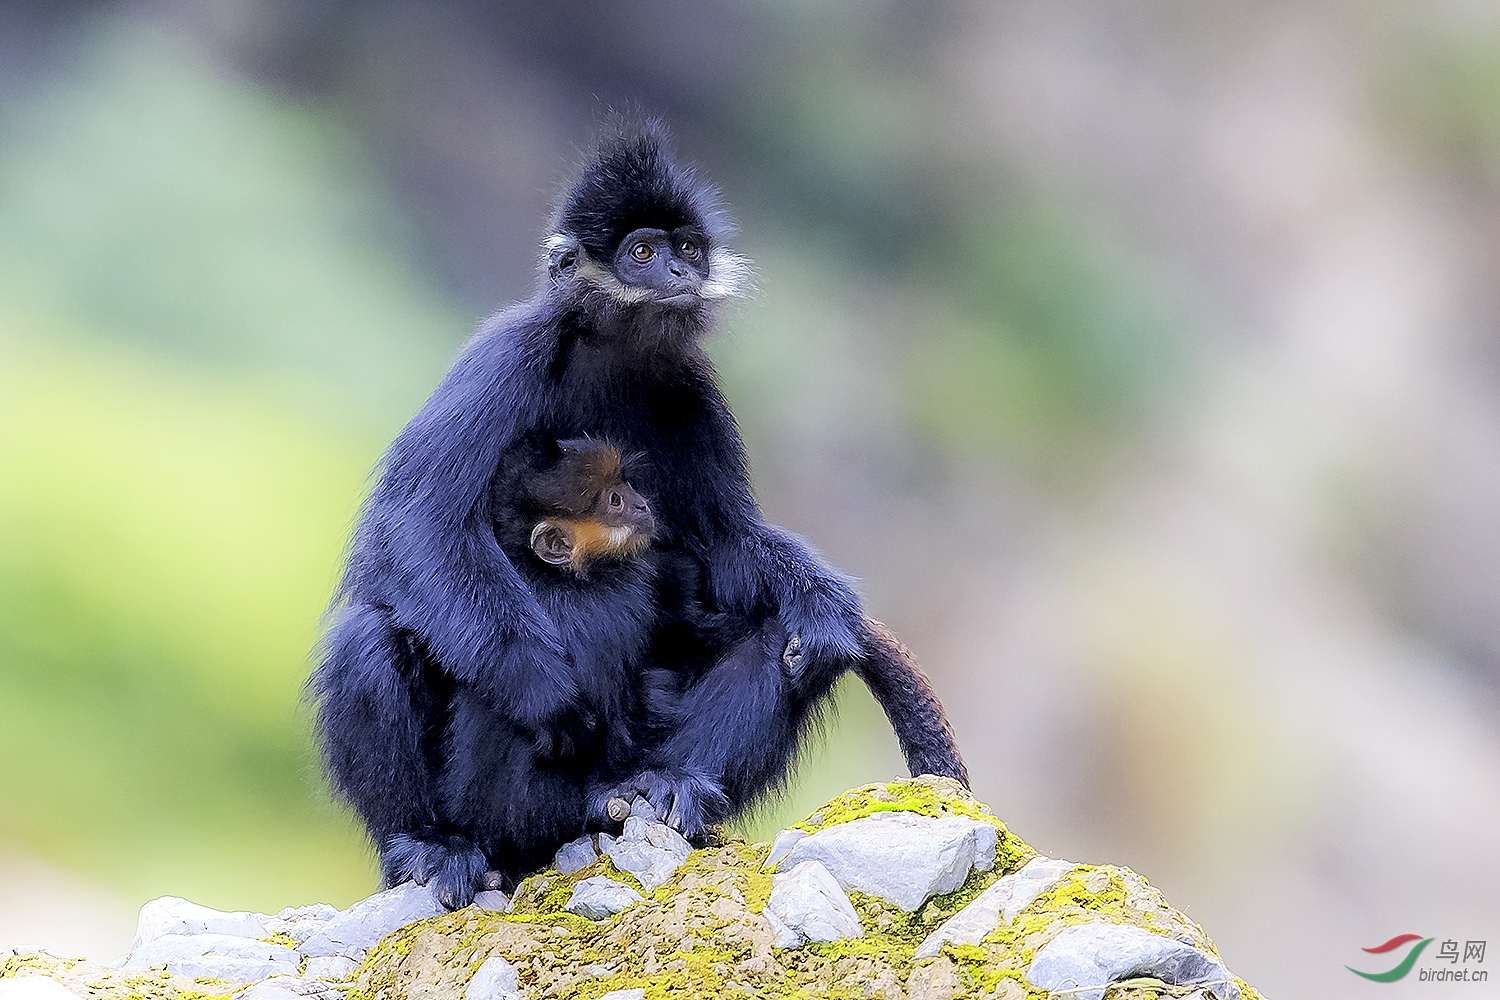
(916, 715)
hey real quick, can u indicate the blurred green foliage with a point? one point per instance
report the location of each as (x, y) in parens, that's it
(1439, 96)
(169, 542)
(208, 333)
(1048, 344)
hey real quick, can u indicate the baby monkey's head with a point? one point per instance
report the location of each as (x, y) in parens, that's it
(590, 511)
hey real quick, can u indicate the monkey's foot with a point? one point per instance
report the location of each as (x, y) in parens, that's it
(453, 867)
(688, 803)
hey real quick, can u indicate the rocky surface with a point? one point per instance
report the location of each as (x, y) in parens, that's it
(600, 897)
(907, 891)
(495, 979)
(808, 904)
(903, 857)
(652, 852)
(1005, 898)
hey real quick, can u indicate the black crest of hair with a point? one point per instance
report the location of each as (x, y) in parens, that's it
(571, 479)
(479, 708)
(632, 181)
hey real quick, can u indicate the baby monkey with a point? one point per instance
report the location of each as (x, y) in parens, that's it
(589, 510)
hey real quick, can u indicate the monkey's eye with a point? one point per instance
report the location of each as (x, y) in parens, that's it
(641, 252)
(614, 499)
(689, 249)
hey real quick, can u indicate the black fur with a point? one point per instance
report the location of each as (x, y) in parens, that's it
(632, 182)
(471, 707)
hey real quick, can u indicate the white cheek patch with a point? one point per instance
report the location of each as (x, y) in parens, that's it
(619, 536)
(602, 279)
(728, 275)
(588, 270)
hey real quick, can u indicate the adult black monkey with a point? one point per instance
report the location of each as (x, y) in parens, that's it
(608, 346)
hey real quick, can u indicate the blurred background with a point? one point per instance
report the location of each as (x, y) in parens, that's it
(1142, 361)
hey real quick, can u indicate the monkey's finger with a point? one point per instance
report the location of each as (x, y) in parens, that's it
(674, 814)
(618, 809)
(792, 656)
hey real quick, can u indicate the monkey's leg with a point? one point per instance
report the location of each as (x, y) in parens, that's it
(378, 716)
(916, 715)
(739, 729)
(497, 792)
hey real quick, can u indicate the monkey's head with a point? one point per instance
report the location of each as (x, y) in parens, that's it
(643, 232)
(591, 511)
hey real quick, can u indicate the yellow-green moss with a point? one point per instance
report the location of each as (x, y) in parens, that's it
(925, 796)
(108, 983)
(281, 938)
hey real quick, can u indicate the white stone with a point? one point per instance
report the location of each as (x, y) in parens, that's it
(900, 856)
(783, 844)
(600, 897)
(283, 988)
(171, 947)
(358, 928)
(299, 922)
(271, 989)
(807, 904)
(173, 915)
(493, 900)
(34, 988)
(574, 855)
(232, 970)
(652, 852)
(1086, 958)
(639, 993)
(494, 980)
(334, 968)
(1004, 899)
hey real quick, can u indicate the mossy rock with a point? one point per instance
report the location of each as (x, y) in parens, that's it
(702, 934)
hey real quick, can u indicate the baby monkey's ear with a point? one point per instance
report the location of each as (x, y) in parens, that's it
(552, 541)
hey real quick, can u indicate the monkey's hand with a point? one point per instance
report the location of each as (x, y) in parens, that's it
(824, 626)
(688, 803)
(792, 657)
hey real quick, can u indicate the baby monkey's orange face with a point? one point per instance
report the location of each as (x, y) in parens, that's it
(596, 513)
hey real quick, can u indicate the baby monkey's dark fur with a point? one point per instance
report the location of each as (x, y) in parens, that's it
(579, 509)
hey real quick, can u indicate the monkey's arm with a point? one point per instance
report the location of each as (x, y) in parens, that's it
(906, 695)
(767, 566)
(433, 555)
(753, 566)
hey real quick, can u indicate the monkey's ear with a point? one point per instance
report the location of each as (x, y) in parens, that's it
(562, 254)
(552, 542)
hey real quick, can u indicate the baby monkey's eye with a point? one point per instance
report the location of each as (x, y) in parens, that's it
(689, 249)
(614, 500)
(641, 252)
